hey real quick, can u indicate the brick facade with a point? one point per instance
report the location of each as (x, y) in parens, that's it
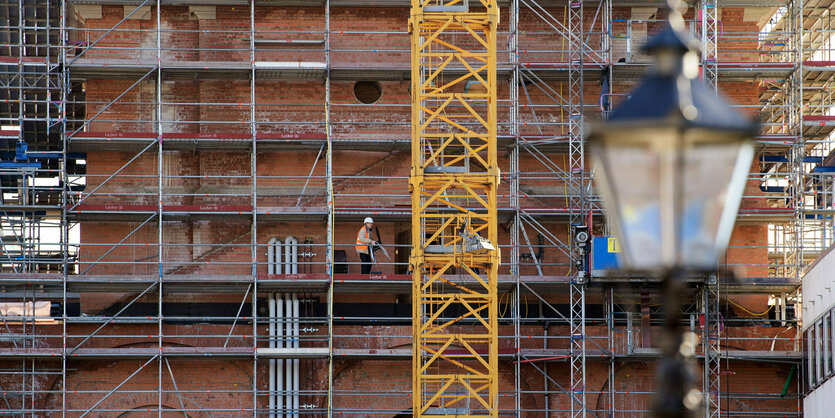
(365, 180)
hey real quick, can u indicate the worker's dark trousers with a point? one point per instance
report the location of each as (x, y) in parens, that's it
(366, 263)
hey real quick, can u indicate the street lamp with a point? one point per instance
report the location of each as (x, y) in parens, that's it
(671, 164)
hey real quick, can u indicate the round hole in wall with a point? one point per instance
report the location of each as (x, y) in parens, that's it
(367, 92)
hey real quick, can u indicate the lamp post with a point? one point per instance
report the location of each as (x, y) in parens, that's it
(671, 164)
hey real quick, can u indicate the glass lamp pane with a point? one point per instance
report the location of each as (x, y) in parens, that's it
(714, 178)
(652, 179)
(629, 172)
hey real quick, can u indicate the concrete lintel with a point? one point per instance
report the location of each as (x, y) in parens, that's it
(202, 12)
(87, 11)
(758, 14)
(144, 12)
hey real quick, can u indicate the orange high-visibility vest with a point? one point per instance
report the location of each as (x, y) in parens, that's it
(361, 245)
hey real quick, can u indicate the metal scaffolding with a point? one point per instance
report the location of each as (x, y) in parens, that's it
(146, 170)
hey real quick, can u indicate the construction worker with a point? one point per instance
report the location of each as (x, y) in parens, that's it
(365, 244)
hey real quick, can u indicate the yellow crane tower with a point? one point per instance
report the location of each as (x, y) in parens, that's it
(453, 184)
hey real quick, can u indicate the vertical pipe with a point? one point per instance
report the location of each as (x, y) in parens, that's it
(329, 184)
(545, 372)
(285, 264)
(800, 146)
(291, 255)
(271, 304)
(514, 195)
(271, 259)
(279, 366)
(34, 375)
(610, 303)
(296, 336)
(272, 246)
(64, 224)
(159, 207)
(295, 254)
(23, 193)
(253, 168)
(288, 334)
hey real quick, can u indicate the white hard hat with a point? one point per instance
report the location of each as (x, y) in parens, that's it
(368, 221)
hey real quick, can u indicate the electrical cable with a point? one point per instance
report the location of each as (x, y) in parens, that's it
(749, 312)
(502, 313)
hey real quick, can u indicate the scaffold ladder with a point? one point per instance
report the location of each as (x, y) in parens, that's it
(577, 206)
(709, 29)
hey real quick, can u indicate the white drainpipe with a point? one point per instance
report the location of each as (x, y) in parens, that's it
(271, 304)
(287, 315)
(279, 338)
(288, 333)
(270, 257)
(296, 337)
(291, 255)
(276, 310)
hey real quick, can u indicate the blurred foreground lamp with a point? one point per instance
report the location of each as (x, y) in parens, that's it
(672, 162)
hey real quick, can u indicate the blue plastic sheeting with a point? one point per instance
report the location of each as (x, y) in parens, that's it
(774, 159)
(10, 155)
(824, 169)
(12, 164)
(772, 189)
(783, 159)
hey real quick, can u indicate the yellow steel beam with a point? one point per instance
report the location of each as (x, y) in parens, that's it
(453, 184)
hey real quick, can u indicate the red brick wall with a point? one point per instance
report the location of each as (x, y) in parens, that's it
(134, 38)
(222, 246)
(224, 386)
(284, 106)
(133, 112)
(739, 41)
